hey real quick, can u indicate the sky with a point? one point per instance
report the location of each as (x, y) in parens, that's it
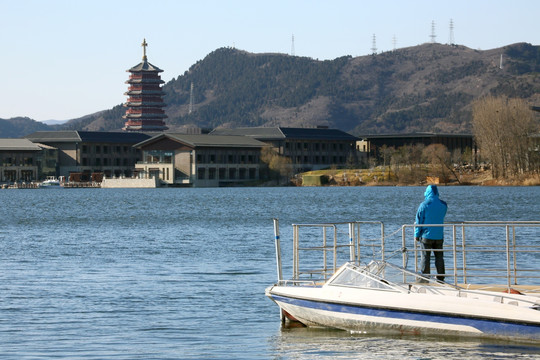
(63, 59)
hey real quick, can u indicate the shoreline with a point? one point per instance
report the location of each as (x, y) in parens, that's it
(356, 177)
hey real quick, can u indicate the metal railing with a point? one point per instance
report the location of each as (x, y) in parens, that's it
(482, 252)
(503, 253)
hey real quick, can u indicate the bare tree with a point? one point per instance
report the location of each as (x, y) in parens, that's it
(441, 161)
(278, 164)
(503, 129)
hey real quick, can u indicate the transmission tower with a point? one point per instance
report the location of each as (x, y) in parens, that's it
(394, 42)
(433, 36)
(451, 37)
(374, 45)
(191, 99)
(292, 45)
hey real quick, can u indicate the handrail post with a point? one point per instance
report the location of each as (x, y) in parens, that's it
(382, 241)
(454, 249)
(508, 276)
(351, 242)
(325, 260)
(278, 250)
(464, 253)
(403, 246)
(515, 253)
(295, 251)
(335, 249)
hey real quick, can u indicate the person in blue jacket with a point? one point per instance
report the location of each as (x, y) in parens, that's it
(431, 211)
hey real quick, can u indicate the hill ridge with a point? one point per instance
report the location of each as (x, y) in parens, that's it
(428, 87)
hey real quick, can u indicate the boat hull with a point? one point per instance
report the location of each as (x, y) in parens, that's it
(323, 311)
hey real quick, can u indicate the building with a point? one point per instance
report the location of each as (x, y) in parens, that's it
(145, 97)
(372, 144)
(87, 152)
(200, 160)
(308, 148)
(23, 161)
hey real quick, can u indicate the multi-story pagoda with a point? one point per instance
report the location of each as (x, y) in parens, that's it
(145, 97)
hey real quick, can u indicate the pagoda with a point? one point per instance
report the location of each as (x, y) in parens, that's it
(145, 97)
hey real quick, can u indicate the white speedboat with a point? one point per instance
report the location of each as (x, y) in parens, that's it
(50, 182)
(381, 296)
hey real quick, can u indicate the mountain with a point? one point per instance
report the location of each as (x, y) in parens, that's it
(429, 87)
(20, 126)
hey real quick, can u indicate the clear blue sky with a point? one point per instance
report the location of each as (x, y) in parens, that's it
(63, 59)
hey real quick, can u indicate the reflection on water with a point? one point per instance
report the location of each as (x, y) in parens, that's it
(314, 343)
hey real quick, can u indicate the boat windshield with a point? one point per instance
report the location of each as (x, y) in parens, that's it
(365, 277)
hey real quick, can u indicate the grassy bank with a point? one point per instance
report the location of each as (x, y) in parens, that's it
(385, 177)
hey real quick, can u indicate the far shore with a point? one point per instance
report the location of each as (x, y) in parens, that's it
(371, 177)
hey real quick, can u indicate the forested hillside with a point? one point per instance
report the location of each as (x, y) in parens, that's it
(429, 87)
(424, 88)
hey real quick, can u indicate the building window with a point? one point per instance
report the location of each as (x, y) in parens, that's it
(252, 173)
(201, 174)
(222, 173)
(84, 149)
(98, 149)
(232, 174)
(212, 173)
(105, 149)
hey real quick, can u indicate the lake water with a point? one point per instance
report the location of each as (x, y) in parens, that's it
(181, 273)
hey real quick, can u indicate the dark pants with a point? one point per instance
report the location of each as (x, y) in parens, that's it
(425, 257)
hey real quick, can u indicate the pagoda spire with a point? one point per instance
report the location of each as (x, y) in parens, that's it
(145, 106)
(144, 45)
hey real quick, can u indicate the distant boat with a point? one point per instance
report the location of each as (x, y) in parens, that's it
(50, 182)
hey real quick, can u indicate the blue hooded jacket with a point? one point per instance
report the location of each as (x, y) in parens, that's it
(431, 211)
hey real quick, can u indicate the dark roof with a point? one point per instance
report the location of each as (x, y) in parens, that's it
(54, 136)
(145, 66)
(204, 140)
(414, 135)
(88, 136)
(277, 133)
(18, 145)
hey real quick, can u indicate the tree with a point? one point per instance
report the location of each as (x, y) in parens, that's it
(279, 165)
(503, 129)
(441, 160)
